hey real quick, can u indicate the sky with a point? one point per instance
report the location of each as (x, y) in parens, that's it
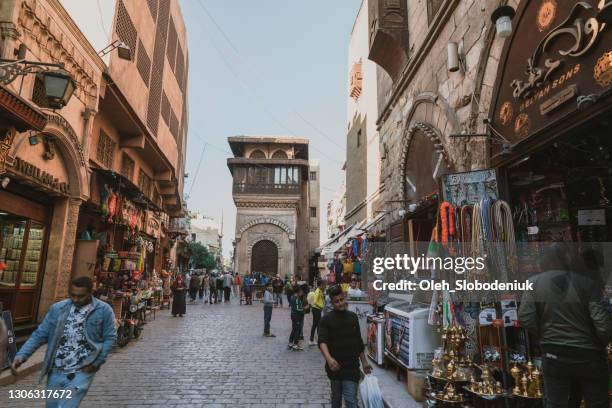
(272, 67)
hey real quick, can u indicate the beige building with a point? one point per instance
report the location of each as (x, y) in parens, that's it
(277, 220)
(206, 231)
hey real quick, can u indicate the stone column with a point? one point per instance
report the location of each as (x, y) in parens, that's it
(60, 252)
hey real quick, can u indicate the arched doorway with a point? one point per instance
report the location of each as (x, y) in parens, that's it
(264, 258)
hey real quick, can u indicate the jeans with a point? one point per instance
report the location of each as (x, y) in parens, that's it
(267, 318)
(227, 291)
(316, 318)
(78, 387)
(343, 389)
(201, 293)
(278, 298)
(192, 294)
(589, 376)
(297, 322)
(213, 294)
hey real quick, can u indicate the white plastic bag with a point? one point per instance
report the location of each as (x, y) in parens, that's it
(370, 392)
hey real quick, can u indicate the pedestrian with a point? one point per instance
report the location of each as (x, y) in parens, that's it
(212, 286)
(178, 296)
(298, 306)
(237, 285)
(247, 288)
(342, 347)
(277, 288)
(79, 333)
(203, 291)
(566, 313)
(194, 284)
(289, 291)
(353, 290)
(219, 282)
(228, 282)
(318, 303)
(268, 304)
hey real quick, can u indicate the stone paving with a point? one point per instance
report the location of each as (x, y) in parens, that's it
(215, 356)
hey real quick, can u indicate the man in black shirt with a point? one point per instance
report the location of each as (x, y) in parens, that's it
(341, 345)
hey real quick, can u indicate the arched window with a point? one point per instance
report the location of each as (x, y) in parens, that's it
(257, 154)
(279, 154)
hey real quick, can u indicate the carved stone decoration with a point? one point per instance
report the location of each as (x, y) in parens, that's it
(266, 204)
(265, 237)
(393, 13)
(603, 70)
(267, 220)
(547, 14)
(49, 146)
(6, 142)
(62, 123)
(356, 80)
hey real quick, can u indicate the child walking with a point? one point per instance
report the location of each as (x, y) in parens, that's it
(298, 304)
(268, 304)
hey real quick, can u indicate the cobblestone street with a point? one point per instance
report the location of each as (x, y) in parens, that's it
(215, 357)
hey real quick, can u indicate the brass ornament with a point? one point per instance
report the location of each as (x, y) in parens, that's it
(506, 113)
(603, 70)
(522, 125)
(547, 14)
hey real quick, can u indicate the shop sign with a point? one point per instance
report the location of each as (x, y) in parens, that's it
(591, 217)
(469, 187)
(23, 167)
(558, 52)
(153, 225)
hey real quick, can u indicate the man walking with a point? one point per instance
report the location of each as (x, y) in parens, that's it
(318, 303)
(79, 333)
(342, 347)
(277, 289)
(213, 288)
(566, 313)
(228, 281)
(194, 284)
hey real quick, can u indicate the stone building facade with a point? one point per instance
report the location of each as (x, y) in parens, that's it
(271, 190)
(421, 103)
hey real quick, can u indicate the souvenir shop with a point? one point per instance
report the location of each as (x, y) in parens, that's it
(549, 181)
(124, 230)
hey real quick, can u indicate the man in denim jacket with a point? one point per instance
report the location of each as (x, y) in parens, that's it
(79, 333)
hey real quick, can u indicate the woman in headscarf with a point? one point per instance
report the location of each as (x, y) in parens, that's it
(178, 293)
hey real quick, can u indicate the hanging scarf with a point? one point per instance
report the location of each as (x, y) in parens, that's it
(447, 222)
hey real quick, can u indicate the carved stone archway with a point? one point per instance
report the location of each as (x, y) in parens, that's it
(266, 220)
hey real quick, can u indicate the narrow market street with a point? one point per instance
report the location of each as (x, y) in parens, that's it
(215, 357)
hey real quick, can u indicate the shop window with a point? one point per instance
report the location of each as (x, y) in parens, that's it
(127, 167)
(144, 183)
(313, 212)
(433, 6)
(105, 152)
(125, 28)
(21, 247)
(313, 176)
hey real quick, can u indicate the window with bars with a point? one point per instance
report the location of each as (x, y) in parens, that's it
(127, 167)
(313, 176)
(39, 96)
(172, 45)
(144, 183)
(105, 152)
(433, 6)
(313, 212)
(125, 28)
(174, 124)
(144, 63)
(165, 109)
(180, 67)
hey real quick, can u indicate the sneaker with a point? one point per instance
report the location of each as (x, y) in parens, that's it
(289, 346)
(269, 335)
(312, 343)
(297, 348)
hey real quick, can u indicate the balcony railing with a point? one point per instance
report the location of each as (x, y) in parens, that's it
(272, 188)
(179, 225)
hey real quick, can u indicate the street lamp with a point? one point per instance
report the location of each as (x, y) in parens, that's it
(123, 50)
(59, 87)
(502, 18)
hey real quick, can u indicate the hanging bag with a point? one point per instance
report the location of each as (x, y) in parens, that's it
(370, 392)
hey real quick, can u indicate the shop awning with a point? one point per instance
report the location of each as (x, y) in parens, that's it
(329, 248)
(374, 222)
